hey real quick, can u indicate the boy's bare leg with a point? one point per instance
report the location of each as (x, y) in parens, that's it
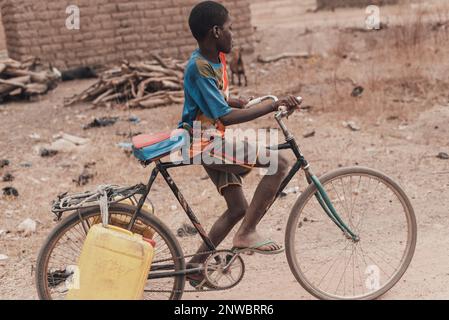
(237, 206)
(247, 234)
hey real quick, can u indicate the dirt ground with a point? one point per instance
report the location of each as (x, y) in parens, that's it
(403, 115)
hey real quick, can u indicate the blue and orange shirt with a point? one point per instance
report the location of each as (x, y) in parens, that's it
(206, 92)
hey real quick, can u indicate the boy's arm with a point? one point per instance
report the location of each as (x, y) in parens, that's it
(239, 103)
(237, 116)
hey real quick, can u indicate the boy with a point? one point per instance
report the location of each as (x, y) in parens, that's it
(207, 102)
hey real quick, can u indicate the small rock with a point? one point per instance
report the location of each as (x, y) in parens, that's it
(309, 134)
(26, 165)
(288, 191)
(351, 125)
(125, 146)
(84, 178)
(8, 177)
(101, 122)
(90, 165)
(443, 156)
(173, 208)
(392, 118)
(27, 227)
(46, 153)
(74, 139)
(357, 92)
(134, 119)
(206, 177)
(3, 257)
(10, 191)
(186, 230)
(4, 163)
(2, 232)
(35, 136)
(62, 145)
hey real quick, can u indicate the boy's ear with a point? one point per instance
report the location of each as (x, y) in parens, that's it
(216, 32)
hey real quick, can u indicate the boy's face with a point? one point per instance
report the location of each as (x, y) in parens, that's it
(225, 42)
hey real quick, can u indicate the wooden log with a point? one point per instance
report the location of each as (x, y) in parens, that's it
(16, 92)
(14, 83)
(12, 63)
(133, 89)
(153, 103)
(36, 88)
(283, 56)
(160, 61)
(170, 85)
(135, 102)
(118, 95)
(103, 95)
(141, 88)
(151, 68)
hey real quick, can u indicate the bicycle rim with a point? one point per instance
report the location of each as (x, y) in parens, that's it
(330, 266)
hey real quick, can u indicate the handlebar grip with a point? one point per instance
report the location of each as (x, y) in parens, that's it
(253, 102)
(284, 109)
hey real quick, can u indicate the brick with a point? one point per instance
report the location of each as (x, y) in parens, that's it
(110, 29)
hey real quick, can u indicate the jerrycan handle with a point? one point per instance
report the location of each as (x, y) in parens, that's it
(103, 202)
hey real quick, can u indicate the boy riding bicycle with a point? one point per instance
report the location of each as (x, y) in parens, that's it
(207, 103)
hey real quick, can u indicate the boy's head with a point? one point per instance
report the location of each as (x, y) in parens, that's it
(210, 23)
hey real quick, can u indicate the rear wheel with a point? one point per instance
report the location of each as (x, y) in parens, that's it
(331, 266)
(61, 251)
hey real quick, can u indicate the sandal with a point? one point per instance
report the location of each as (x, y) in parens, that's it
(256, 248)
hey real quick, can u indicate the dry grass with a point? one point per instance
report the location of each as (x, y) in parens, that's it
(401, 68)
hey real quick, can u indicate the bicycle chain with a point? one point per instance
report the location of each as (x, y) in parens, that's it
(191, 290)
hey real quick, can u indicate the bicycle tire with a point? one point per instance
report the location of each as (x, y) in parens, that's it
(294, 221)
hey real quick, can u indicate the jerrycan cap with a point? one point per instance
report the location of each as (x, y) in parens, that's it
(150, 241)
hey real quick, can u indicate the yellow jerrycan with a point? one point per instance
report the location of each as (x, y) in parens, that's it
(114, 265)
(123, 221)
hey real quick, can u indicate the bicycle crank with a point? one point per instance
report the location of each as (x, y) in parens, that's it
(223, 270)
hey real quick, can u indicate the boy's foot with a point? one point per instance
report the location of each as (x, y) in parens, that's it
(196, 280)
(254, 243)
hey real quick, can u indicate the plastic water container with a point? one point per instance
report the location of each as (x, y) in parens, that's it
(113, 265)
(122, 221)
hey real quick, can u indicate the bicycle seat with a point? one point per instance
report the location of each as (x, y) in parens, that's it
(153, 147)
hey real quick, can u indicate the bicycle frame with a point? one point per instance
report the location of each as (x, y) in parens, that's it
(301, 163)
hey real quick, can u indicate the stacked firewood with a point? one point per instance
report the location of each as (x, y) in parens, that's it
(26, 79)
(146, 84)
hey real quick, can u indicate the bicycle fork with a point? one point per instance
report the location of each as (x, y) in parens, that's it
(326, 204)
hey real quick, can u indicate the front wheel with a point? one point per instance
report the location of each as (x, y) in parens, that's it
(331, 266)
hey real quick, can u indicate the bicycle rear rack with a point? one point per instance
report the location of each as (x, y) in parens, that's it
(111, 193)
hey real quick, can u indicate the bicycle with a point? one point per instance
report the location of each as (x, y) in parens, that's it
(344, 240)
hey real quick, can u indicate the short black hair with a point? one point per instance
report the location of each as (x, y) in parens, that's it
(205, 16)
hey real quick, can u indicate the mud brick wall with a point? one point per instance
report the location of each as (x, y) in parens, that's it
(110, 30)
(332, 4)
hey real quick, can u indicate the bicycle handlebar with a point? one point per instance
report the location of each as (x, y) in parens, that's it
(282, 110)
(282, 113)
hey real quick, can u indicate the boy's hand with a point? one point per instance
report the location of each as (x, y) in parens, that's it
(290, 102)
(239, 103)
